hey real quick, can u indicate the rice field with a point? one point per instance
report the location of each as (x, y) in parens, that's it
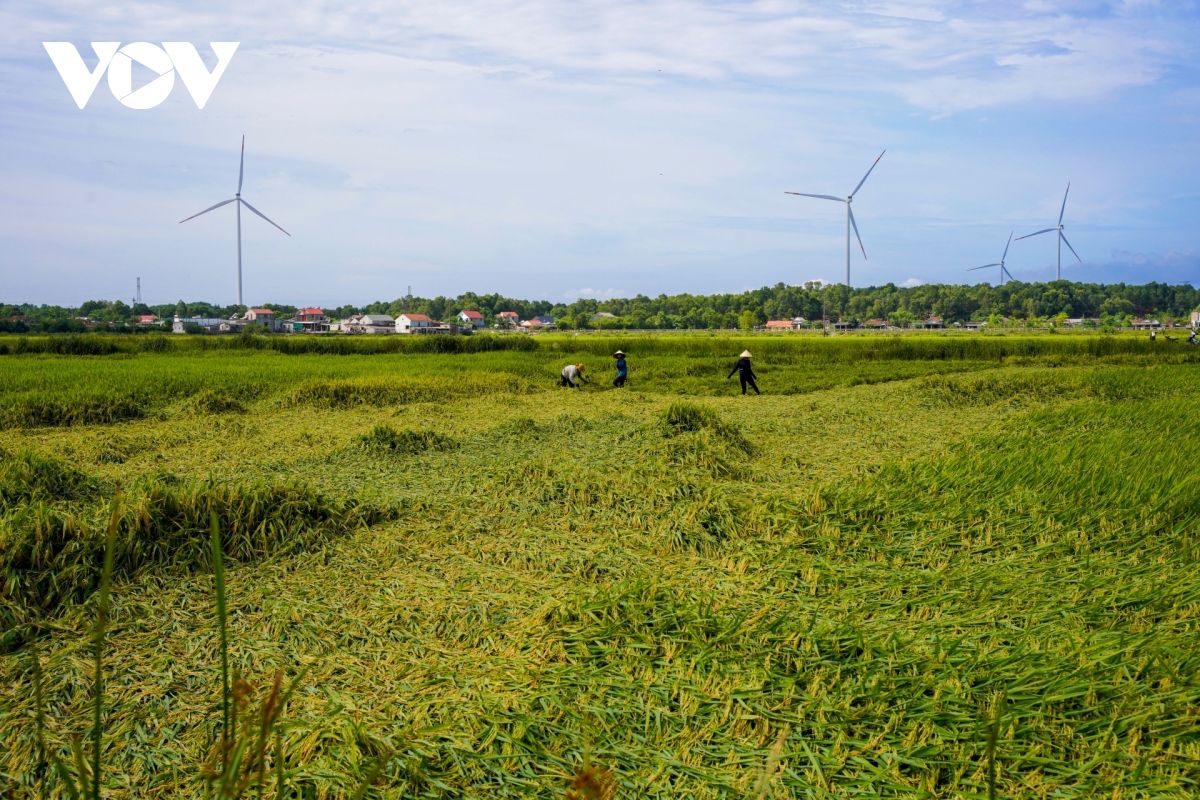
(916, 567)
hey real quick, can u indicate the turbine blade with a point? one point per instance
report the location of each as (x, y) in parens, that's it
(241, 164)
(1010, 233)
(264, 216)
(1064, 205)
(864, 180)
(1006, 272)
(210, 208)
(1039, 233)
(985, 266)
(822, 196)
(1072, 249)
(855, 224)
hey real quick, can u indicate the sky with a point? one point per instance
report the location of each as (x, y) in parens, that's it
(600, 148)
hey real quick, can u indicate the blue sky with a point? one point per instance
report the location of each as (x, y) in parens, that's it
(552, 150)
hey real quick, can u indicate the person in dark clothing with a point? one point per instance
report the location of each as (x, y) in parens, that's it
(745, 373)
(622, 370)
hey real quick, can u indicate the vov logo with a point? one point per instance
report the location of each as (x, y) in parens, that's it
(172, 57)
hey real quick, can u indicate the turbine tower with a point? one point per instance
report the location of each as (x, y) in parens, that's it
(1003, 269)
(849, 215)
(237, 198)
(1061, 237)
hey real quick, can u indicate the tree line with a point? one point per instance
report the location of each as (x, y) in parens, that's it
(1110, 304)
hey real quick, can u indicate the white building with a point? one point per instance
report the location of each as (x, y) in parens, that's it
(210, 324)
(375, 323)
(414, 323)
(471, 318)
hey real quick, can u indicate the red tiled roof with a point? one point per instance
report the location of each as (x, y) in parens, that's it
(507, 314)
(417, 317)
(779, 323)
(311, 311)
(472, 315)
(264, 311)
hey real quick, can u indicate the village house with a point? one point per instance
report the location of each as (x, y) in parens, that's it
(933, 323)
(414, 324)
(374, 323)
(1146, 324)
(973, 325)
(309, 320)
(877, 324)
(538, 323)
(507, 319)
(263, 317)
(471, 318)
(780, 325)
(209, 324)
(147, 319)
(346, 325)
(844, 325)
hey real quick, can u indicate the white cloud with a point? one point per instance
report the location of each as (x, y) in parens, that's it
(939, 56)
(530, 146)
(911, 282)
(602, 294)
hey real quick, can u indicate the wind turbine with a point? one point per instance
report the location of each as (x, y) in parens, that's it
(849, 215)
(1003, 269)
(237, 198)
(1061, 237)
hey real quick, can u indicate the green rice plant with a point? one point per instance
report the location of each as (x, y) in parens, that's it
(34, 412)
(993, 733)
(589, 577)
(77, 785)
(684, 417)
(208, 401)
(49, 555)
(401, 391)
(239, 763)
(72, 345)
(27, 476)
(385, 438)
(98, 641)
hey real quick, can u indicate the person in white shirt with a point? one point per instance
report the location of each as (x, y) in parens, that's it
(572, 373)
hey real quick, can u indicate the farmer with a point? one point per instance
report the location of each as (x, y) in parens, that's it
(745, 373)
(622, 369)
(1153, 335)
(572, 373)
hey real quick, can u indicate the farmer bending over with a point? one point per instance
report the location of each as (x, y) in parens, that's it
(745, 373)
(572, 373)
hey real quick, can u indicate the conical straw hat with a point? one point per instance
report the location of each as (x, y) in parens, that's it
(745, 354)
